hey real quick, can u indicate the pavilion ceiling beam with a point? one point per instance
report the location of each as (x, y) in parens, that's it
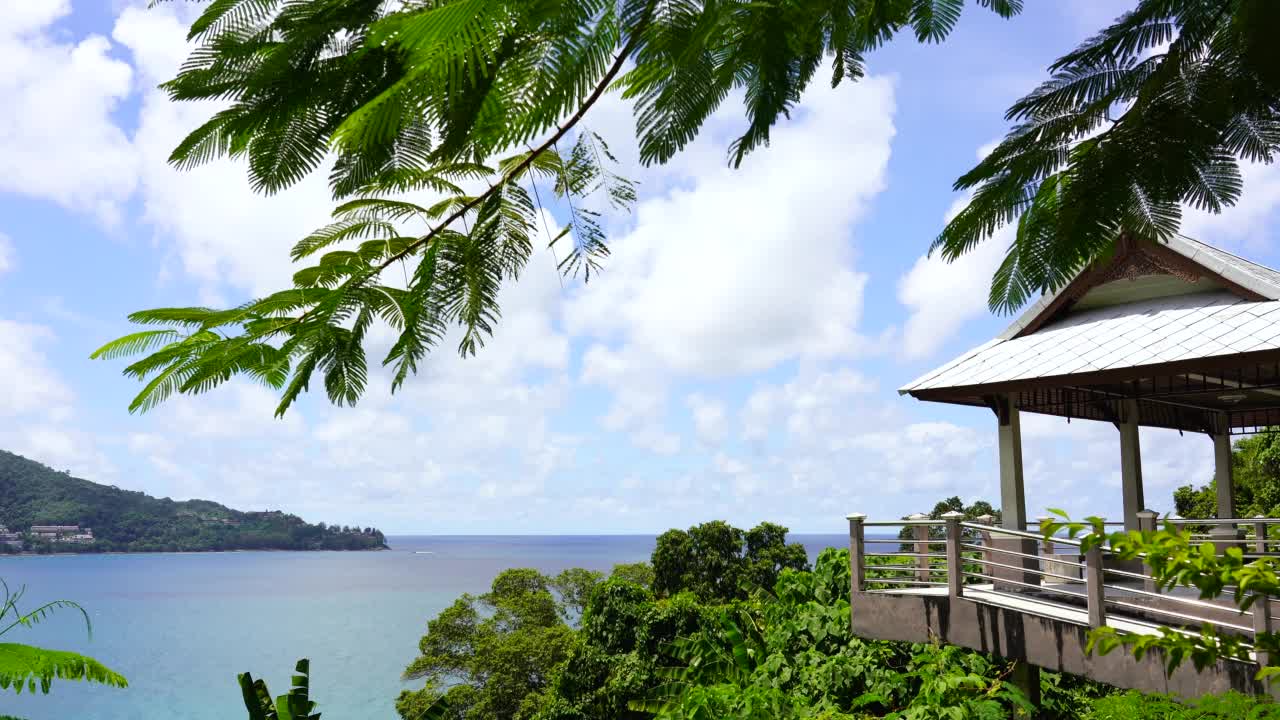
(1237, 384)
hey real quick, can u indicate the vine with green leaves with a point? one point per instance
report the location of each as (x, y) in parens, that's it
(1174, 559)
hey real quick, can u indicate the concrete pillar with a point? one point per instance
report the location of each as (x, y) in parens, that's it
(1013, 503)
(1222, 474)
(1095, 595)
(1130, 464)
(1027, 679)
(1262, 625)
(1013, 498)
(1224, 536)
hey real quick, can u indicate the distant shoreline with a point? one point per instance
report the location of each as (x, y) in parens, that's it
(28, 553)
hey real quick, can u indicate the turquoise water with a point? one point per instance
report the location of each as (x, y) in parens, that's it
(180, 626)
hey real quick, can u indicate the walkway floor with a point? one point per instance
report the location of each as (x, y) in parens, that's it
(986, 594)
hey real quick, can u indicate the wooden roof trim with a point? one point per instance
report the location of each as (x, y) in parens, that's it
(1133, 258)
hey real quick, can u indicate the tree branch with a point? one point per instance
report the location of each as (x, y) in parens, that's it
(523, 165)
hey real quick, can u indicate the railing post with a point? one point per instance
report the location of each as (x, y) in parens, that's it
(1259, 534)
(857, 555)
(1147, 523)
(1261, 625)
(987, 520)
(955, 562)
(921, 533)
(1095, 595)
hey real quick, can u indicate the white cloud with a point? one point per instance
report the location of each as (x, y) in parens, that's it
(37, 406)
(809, 406)
(8, 256)
(747, 268)
(927, 456)
(728, 272)
(231, 240)
(721, 273)
(942, 296)
(1250, 223)
(28, 386)
(1076, 465)
(61, 447)
(58, 139)
(710, 421)
(233, 411)
(24, 18)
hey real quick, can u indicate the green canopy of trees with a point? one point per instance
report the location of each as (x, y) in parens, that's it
(718, 562)
(697, 651)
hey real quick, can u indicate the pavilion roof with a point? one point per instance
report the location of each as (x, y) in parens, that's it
(1153, 315)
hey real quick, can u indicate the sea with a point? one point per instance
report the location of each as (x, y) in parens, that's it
(180, 626)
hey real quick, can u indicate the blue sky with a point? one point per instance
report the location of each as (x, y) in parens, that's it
(738, 359)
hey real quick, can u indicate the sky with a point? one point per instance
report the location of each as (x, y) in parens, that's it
(738, 358)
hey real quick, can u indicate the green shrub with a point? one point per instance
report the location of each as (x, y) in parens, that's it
(1228, 706)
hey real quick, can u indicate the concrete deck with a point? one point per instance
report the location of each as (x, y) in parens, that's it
(1052, 634)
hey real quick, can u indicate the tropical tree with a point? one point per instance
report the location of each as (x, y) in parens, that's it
(485, 657)
(447, 124)
(1151, 114)
(639, 573)
(718, 562)
(24, 667)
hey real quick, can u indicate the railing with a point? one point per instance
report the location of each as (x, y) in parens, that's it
(977, 560)
(1256, 535)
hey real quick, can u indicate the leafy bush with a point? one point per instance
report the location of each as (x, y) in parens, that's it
(293, 705)
(1137, 706)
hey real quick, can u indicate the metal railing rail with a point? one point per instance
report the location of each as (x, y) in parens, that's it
(1005, 560)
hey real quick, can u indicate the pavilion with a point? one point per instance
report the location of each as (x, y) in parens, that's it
(1172, 334)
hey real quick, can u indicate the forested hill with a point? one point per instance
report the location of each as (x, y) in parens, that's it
(123, 520)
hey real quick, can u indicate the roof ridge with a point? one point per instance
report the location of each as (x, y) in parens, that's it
(1247, 273)
(1217, 249)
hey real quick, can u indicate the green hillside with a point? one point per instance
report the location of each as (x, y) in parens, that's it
(123, 520)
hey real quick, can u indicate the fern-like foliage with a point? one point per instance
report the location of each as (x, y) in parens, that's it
(1151, 114)
(24, 667)
(459, 116)
(366, 269)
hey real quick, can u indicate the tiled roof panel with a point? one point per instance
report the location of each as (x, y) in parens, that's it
(1165, 329)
